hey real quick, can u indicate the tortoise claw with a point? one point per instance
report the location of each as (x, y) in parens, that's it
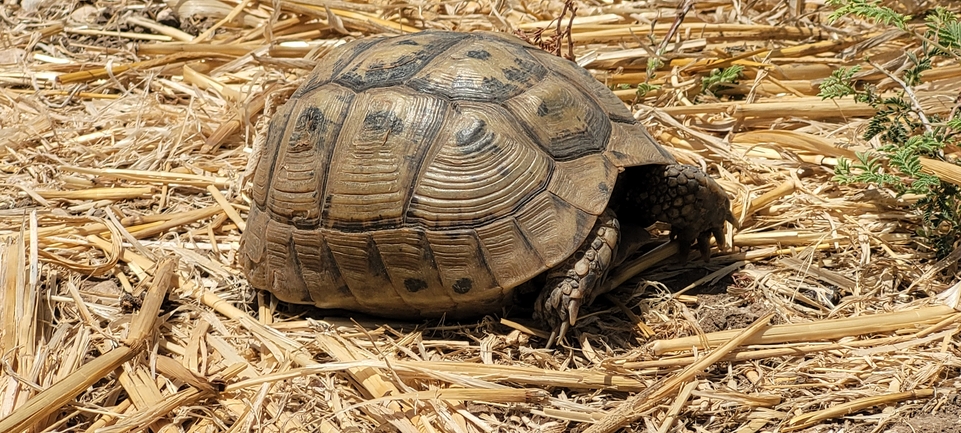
(575, 281)
(557, 334)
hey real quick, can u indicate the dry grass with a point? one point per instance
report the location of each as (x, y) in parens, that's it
(125, 128)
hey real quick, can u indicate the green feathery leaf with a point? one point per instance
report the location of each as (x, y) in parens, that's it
(721, 76)
(868, 9)
(839, 84)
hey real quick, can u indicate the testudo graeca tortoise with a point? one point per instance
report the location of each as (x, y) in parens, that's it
(431, 174)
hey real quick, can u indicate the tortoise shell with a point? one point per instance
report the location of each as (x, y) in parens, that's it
(432, 173)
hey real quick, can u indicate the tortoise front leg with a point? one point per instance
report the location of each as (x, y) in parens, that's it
(681, 195)
(575, 281)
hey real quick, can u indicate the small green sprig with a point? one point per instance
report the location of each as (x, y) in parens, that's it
(653, 64)
(721, 76)
(644, 88)
(868, 9)
(940, 212)
(943, 32)
(839, 84)
(869, 168)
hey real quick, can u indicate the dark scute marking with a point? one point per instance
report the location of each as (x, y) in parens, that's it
(414, 285)
(311, 122)
(333, 270)
(542, 109)
(375, 263)
(526, 72)
(314, 80)
(493, 86)
(471, 133)
(344, 291)
(517, 75)
(352, 79)
(303, 295)
(392, 74)
(574, 146)
(522, 74)
(304, 223)
(384, 121)
(474, 137)
(397, 70)
(603, 187)
(463, 285)
(479, 54)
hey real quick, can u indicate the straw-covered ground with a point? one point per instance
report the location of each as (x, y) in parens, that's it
(126, 128)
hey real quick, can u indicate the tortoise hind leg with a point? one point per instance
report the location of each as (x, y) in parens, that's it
(575, 281)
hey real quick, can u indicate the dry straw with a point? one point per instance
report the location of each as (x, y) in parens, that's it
(127, 129)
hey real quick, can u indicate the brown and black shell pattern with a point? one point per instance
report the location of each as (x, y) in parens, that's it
(431, 173)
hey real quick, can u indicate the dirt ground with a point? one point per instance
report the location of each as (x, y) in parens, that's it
(946, 418)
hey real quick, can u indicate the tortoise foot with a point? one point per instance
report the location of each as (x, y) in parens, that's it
(574, 282)
(688, 199)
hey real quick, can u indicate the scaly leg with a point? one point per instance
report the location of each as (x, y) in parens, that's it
(574, 282)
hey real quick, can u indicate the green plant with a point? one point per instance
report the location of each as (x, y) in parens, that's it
(840, 84)
(868, 9)
(721, 76)
(644, 88)
(943, 33)
(653, 64)
(905, 132)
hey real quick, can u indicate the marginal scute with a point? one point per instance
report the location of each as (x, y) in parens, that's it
(313, 257)
(281, 258)
(459, 259)
(409, 262)
(511, 256)
(632, 145)
(360, 265)
(585, 183)
(546, 219)
(254, 246)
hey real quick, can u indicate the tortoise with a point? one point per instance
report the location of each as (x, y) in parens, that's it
(433, 173)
